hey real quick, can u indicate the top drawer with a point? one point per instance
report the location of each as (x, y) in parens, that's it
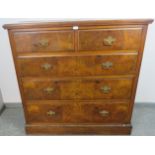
(110, 39)
(44, 41)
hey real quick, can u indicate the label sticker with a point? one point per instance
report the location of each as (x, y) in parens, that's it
(75, 27)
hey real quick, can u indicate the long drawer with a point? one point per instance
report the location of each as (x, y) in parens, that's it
(110, 39)
(99, 88)
(117, 64)
(76, 112)
(44, 41)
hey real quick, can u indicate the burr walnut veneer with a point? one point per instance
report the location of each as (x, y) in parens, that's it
(78, 77)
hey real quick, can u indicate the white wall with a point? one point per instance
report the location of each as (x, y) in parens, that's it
(8, 81)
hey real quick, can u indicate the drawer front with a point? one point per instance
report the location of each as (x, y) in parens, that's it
(78, 66)
(51, 66)
(76, 112)
(113, 39)
(44, 41)
(107, 64)
(77, 89)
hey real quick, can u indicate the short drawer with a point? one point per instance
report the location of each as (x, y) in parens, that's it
(110, 39)
(44, 41)
(76, 112)
(50, 89)
(119, 64)
(47, 66)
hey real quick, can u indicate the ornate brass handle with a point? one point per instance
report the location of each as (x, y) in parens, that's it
(42, 43)
(107, 65)
(104, 113)
(109, 41)
(49, 90)
(46, 66)
(105, 89)
(51, 113)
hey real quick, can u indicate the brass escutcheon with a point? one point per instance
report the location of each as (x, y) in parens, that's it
(107, 65)
(51, 113)
(109, 41)
(105, 89)
(42, 43)
(46, 66)
(104, 113)
(49, 90)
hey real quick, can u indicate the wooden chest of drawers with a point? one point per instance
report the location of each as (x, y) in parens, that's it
(78, 77)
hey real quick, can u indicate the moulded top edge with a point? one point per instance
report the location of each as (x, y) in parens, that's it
(77, 23)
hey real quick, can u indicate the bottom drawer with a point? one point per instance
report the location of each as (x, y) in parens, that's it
(76, 112)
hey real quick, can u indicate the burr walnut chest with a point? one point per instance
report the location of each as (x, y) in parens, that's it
(78, 77)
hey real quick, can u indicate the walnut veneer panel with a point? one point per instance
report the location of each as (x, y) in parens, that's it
(78, 65)
(76, 112)
(44, 41)
(108, 88)
(112, 39)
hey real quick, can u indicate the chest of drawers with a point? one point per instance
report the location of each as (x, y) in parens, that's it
(78, 77)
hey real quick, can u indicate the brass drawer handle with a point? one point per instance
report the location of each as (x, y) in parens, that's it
(106, 89)
(51, 113)
(104, 113)
(107, 65)
(49, 90)
(109, 41)
(42, 43)
(46, 66)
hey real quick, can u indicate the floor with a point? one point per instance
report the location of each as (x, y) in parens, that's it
(12, 121)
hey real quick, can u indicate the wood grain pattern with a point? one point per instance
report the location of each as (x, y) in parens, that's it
(77, 89)
(78, 23)
(122, 64)
(44, 41)
(58, 66)
(76, 112)
(124, 39)
(78, 65)
(79, 129)
(78, 81)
